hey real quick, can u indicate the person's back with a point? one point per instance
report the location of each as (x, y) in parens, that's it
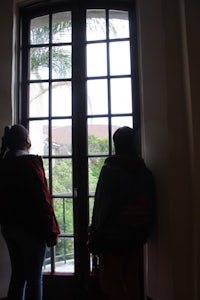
(122, 216)
(27, 219)
(132, 194)
(24, 193)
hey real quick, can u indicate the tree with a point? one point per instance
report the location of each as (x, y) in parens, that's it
(40, 56)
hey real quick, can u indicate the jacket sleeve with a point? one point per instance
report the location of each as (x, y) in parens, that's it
(44, 208)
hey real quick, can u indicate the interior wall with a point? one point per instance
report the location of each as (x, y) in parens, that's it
(155, 140)
(6, 27)
(192, 20)
(169, 133)
(6, 50)
(169, 71)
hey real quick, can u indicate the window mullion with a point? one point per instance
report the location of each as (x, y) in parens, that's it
(79, 140)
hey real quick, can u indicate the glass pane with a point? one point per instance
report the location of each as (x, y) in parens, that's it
(63, 208)
(64, 255)
(61, 62)
(61, 27)
(97, 97)
(38, 131)
(61, 98)
(61, 137)
(47, 261)
(94, 168)
(96, 24)
(118, 24)
(62, 176)
(91, 205)
(39, 30)
(39, 63)
(38, 99)
(96, 59)
(98, 136)
(121, 95)
(46, 168)
(121, 121)
(120, 58)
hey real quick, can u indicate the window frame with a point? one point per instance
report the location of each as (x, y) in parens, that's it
(28, 12)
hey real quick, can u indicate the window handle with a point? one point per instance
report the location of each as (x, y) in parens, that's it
(75, 193)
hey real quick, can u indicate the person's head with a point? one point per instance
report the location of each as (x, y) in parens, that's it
(124, 141)
(18, 138)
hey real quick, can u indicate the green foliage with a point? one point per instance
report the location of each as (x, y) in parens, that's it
(40, 35)
(97, 145)
(62, 176)
(64, 212)
(61, 61)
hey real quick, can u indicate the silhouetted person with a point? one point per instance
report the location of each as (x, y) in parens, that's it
(122, 218)
(27, 219)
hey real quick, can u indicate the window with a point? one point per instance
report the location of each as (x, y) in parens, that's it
(79, 84)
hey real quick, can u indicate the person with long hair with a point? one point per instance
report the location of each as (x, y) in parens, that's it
(28, 222)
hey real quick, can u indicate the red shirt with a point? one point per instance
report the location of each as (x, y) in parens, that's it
(25, 200)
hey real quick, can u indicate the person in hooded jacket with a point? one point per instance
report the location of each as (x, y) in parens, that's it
(122, 218)
(27, 218)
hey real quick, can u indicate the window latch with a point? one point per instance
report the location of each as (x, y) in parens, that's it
(75, 193)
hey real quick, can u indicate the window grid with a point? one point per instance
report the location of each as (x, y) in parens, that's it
(50, 118)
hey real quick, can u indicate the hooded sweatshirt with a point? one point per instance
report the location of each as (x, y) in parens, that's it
(122, 181)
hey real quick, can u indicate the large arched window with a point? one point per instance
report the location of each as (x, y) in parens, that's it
(78, 84)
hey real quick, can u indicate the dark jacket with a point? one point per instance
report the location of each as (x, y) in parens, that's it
(121, 182)
(24, 197)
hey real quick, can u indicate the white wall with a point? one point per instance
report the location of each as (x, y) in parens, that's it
(169, 69)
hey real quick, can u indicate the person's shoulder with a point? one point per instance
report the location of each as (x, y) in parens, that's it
(112, 161)
(31, 160)
(34, 157)
(33, 164)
